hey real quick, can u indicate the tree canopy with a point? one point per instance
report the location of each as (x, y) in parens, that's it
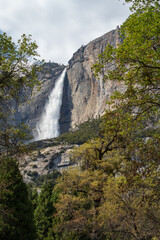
(19, 66)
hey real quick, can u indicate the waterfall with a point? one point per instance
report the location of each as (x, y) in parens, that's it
(48, 126)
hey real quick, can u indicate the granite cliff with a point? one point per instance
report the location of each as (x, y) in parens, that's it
(31, 110)
(84, 96)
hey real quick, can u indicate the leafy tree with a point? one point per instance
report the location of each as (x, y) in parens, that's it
(18, 75)
(95, 155)
(16, 212)
(114, 197)
(132, 207)
(136, 63)
(77, 208)
(116, 193)
(138, 4)
(18, 65)
(129, 202)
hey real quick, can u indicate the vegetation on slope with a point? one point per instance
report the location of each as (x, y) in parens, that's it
(85, 132)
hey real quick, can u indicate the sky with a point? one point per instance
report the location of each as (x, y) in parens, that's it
(61, 27)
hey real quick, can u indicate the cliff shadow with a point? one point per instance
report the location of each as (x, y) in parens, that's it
(66, 107)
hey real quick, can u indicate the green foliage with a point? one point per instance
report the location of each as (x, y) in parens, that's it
(85, 132)
(115, 197)
(18, 74)
(141, 4)
(16, 216)
(32, 195)
(136, 64)
(43, 213)
(18, 65)
(128, 207)
(80, 194)
(46, 178)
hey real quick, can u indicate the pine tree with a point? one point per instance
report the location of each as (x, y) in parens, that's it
(16, 210)
(44, 213)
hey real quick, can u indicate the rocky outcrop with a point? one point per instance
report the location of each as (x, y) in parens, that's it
(45, 159)
(31, 110)
(85, 96)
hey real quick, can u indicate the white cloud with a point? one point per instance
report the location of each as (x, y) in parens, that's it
(60, 27)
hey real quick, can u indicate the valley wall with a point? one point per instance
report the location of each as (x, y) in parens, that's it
(84, 96)
(31, 110)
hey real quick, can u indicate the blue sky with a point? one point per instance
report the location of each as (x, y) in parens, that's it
(60, 27)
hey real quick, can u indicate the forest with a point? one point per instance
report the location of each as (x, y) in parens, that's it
(115, 193)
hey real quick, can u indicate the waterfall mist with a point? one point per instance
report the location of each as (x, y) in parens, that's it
(48, 126)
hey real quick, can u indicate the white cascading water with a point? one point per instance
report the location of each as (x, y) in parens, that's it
(48, 127)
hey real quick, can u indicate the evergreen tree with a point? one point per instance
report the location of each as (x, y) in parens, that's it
(44, 213)
(16, 210)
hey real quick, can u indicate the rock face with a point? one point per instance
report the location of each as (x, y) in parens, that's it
(44, 160)
(31, 111)
(84, 96)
